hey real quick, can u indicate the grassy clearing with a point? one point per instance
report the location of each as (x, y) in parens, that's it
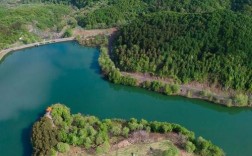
(143, 149)
(150, 149)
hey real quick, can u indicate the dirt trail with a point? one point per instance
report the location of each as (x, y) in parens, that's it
(77, 32)
(93, 32)
(6, 51)
(194, 87)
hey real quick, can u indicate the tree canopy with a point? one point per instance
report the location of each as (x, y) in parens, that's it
(215, 47)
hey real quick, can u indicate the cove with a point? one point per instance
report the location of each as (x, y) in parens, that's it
(68, 73)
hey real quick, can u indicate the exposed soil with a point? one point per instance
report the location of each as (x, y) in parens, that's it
(93, 32)
(194, 87)
(84, 34)
(148, 142)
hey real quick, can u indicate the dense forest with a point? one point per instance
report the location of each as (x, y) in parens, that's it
(97, 136)
(215, 47)
(107, 13)
(120, 12)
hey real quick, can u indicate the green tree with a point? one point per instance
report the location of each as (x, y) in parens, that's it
(43, 137)
(63, 147)
(68, 33)
(172, 151)
(189, 147)
(241, 99)
(125, 131)
(168, 90)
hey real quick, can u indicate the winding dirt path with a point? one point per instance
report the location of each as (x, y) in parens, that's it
(195, 87)
(6, 51)
(76, 32)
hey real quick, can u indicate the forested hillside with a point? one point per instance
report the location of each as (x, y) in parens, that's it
(214, 47)
(120, 12)
(115, 13)
(18, 22)
(107, 13)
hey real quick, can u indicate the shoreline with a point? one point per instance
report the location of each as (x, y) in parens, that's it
(83, 34)
(4, 52)
(220, 98)
(191, 90)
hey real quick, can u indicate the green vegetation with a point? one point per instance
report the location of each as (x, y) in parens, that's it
(17, 22)
(187, 41)
(241, 99)
(111, 72)
(116, 13)
(91, 133)
(68, 33)
(96, 41)
(213, 47)
(43, 137)
(173, 151)
(108, 13)
(63, 147)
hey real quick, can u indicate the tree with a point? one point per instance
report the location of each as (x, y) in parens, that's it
(61, 114)
(172, 151)
(63, 147)
(168, 89)
(88, 142)
(241, 99)
(189, 147)
(116, 129)
(68, 33)
(43, 137)
(125, 131)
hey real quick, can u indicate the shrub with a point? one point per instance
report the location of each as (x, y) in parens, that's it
(132, 124)
(206, 148)
(68, 33)
(166, 128)
(229, 102)
(175, 88)
(241, 99)
(87, 142)
(156, 86)
(168, 89)
(146, 84)
(53, 152)
(172, 151)
(189, 94)
(189, 147)
(125, 131)
(205, 93)
(116, 129)
(61, 114)
(63, 147)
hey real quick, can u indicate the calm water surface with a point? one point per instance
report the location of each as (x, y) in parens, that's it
(32, 79)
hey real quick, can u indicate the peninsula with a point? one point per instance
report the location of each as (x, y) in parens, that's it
(61, 133)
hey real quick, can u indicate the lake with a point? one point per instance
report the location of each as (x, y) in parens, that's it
(32, 79)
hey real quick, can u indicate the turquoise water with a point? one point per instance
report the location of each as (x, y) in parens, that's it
(32, 79)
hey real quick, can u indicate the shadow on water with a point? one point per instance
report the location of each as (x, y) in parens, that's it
(5, 56)
(26, 141)
(199, 102)
(26, 137)
(94, 64)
